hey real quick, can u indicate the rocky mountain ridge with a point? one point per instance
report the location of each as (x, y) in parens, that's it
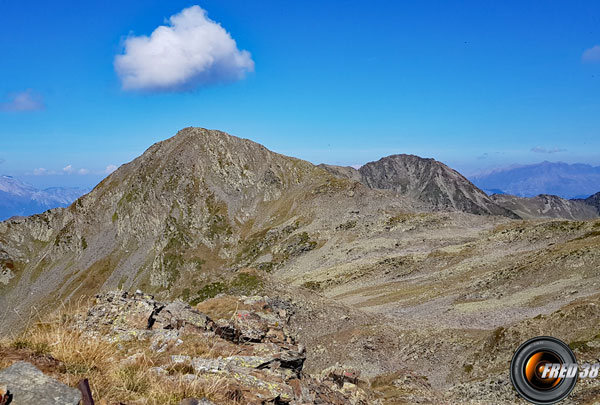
(593, 201)
(385, 277)
(546, 206)
(434, 185)
(200, 200)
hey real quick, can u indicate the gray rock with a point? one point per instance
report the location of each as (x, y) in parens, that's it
(158, 371)
(178, 314)
(180, 359)
(194, 401)
(202, 365)
(28, 385)
(162, 339)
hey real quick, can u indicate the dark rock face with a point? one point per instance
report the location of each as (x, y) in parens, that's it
(28, 386)
(436, 186)
(594, 201)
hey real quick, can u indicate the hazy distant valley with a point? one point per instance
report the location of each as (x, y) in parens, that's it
(403, 269)
(554, 178)
(20, 199)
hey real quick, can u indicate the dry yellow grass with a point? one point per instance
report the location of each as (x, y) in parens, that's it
(222, 307)
(68, 354)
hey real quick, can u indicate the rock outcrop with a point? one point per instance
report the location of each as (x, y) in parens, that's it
(27, 385)
(268, 368)
(360, 271)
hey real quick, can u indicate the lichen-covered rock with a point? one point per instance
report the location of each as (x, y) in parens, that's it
(341, 375)
(121, 311)
(6, 275)
(267, 368)
(130, 315)
(28, 385)
(178, 314)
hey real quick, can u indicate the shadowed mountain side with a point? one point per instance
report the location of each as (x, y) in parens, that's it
(593, 201)
(434, 185)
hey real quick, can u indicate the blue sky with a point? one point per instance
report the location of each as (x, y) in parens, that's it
(474, 84)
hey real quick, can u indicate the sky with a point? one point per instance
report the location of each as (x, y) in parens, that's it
(88, 86)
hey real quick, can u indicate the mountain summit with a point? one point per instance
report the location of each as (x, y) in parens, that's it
(206, 199)
(389, 259)
(432, 184)
(201, 199)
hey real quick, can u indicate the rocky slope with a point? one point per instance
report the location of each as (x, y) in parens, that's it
(593, 201)
(391, 279)
(546, 206)
(434, 185)
(161, 352)
(190, 210)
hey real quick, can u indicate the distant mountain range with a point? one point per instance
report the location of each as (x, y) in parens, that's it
(21, 199)
(561, 179)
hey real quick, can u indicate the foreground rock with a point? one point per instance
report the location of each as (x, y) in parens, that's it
(264, 365)
(28, 385)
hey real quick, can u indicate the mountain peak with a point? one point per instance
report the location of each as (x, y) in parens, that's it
(431, 182)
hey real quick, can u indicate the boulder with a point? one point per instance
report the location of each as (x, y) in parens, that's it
(251, 326)
(177, 315)
(341, 374)
(121, 311)
(28, 385)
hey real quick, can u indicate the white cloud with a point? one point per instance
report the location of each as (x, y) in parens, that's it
(23, 101)
(68, 169)
(40, 171)
(592, 54)
(83, 171)
(110, 168)
(541, 149)
(190, 51)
